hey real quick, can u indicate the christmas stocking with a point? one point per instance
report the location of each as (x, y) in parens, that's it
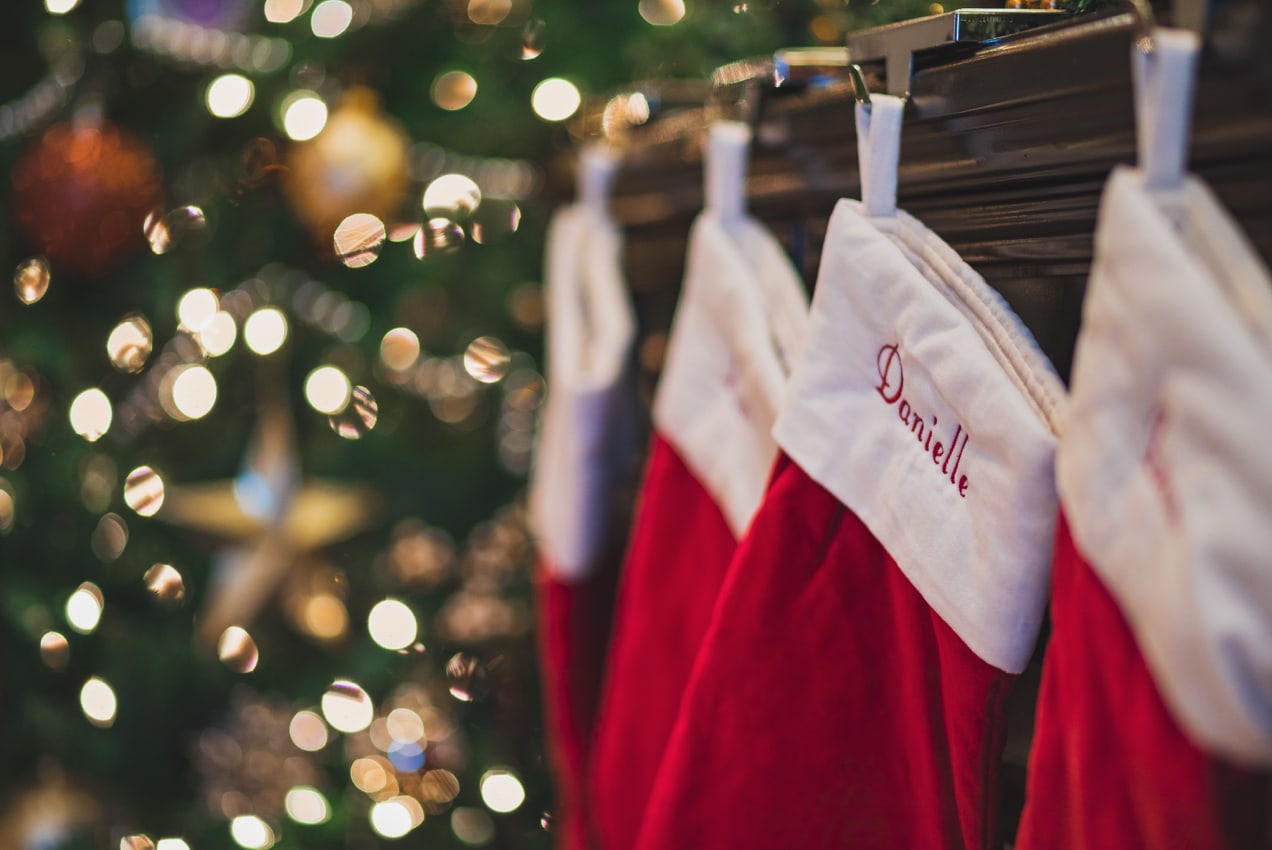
(584, 442)
(739, 322)
(850, 690)
(1155, 715)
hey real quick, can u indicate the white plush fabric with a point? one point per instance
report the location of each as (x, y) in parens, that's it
(738, 327)
(584, 434)
(1165, 469)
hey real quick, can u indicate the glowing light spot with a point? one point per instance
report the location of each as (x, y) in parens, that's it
(283, 11)
(324, 616)
(143, 491)
(327, 389)
(31, 280)
(54, 649)
(60, 7)
(406, 756)
(487, 359)
(347, 707)
(230, 95)
(451, 196)
(136, 842)
(130, 343)
(306, 805)
(308, 731)
(192, 392)
(555, 99)
(662, 13)
(218, 335)
(453, 90)
(437, 236)
(358, 240)
(265, 330)
(502, 791)
(109, 537)
(331, 18)
(197, 308)
(237, 650)
(488, 12)
(304, 115)
(405, 725)
(472, 826)
(251, 833)
(84, 608)
(165, 584)
(172, 844)
(91, 414)
(391, 819)
(392, 624)
(358, 417)
(466, 677)
(7, 513)
(163, 230)
(533, 37)
(373, 775)
(399, 349)
(98, 702)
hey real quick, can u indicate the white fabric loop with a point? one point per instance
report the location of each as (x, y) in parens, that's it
(1164, 79)
(879, 153)
(724, 170)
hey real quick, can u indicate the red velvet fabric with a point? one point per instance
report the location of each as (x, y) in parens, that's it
(830, 707)
(679, 550)
(1110, 768)
(573, 632)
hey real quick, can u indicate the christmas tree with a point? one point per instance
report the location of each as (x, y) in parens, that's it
(268, 389)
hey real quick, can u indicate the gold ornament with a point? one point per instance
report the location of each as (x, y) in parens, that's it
(357, 164)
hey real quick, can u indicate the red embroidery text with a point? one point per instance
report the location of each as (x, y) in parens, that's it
(946, 457)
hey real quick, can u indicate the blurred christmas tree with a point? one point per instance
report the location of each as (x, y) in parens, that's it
(268, 385)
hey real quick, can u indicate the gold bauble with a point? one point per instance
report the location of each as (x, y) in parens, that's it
(357, 164)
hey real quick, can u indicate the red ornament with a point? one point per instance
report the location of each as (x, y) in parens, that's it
(81, 195)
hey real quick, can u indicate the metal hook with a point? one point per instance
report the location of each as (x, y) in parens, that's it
(860, 91)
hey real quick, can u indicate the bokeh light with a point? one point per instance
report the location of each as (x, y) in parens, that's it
(265, 330)
(60, 7)
(189, 392)
(84, 608)
(130, 343)
(31, 280)
(533, 37)
(165, 584)
(91, 414)
(327, 389)
(472, 826)
(392, 624)
(251, 833)
(488, 13)
(359, 416)
(453, 90)
(662, 13)
(451, 196)
(98, 702)
(197, 307)
(466, 677)
(165, 229)
(230, 95)
(487, 359)
(172, 844)
(555, 99)
(331, 18)
(55, 650)
(399, 349)
(218, 335)
(304, 115)
(308, 731)
(358, 240)
(283, 11)
(237, 650)
(391, 819)
(306, 805)
(502, 791)
(144, 491)
(347, 707)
